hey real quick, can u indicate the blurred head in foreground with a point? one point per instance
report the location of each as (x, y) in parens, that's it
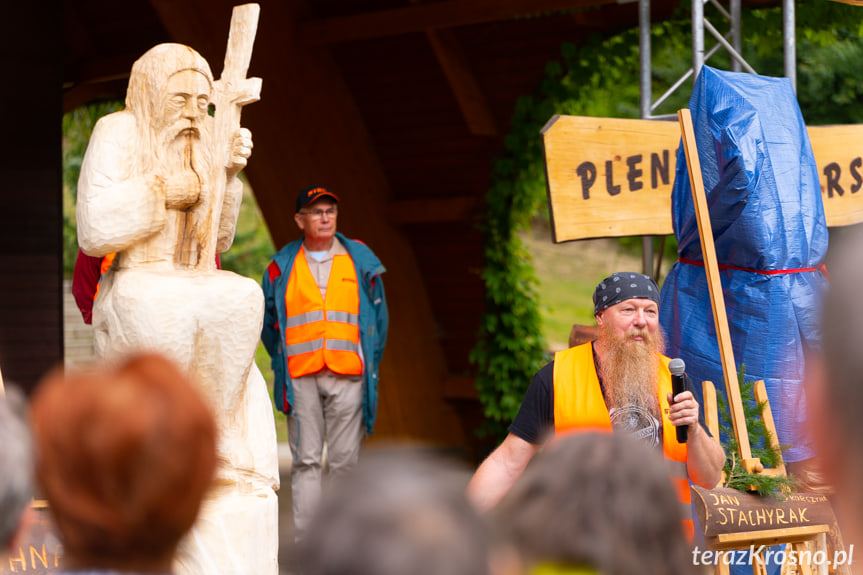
(16, 467)
(835, 385)
(595, 501)
(125, 455)
(398, 512)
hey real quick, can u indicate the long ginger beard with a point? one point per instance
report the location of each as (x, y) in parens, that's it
(630, 368)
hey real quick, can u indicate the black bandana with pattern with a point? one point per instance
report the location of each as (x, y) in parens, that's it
(622, 286)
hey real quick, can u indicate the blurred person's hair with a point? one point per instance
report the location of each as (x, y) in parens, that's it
(124, 458)
(16, 464)
(398, 512)
(595, 500)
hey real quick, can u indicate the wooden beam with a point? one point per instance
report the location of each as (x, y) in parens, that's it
(419, 18)
(462, 82)
(182, 21)
(432, 210)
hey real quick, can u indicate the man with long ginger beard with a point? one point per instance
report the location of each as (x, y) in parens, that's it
(619, 382)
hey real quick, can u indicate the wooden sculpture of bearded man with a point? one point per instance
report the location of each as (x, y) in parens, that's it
(147, 191)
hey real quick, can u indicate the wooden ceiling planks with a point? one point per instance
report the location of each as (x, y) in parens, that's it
(432, 15)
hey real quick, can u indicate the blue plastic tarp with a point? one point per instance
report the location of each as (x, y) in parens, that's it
(766, 211)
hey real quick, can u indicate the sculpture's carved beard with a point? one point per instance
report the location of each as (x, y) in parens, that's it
(183, 149)
(630, 368)
(184, 157)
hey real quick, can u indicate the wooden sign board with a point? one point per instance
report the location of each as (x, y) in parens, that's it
(38, 550)
(724, 512)
(610, 177)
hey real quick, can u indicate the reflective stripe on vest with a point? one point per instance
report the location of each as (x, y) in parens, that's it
(323, 332)
(578, 403)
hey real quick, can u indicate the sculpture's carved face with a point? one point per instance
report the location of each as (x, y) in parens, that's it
(184, 106)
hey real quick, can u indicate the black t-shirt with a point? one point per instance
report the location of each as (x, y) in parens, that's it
(534, 421)
(535, 418)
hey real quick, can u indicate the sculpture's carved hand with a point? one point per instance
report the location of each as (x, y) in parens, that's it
(181, 191)
(241, 149)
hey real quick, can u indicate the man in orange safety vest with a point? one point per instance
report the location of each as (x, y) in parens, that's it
(325, 327)
(620, 382)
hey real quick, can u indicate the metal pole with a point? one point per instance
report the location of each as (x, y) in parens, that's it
(646, 94)
(736, 33)
(735, 55)
(697, 37)
(789, 43)
(644, 58)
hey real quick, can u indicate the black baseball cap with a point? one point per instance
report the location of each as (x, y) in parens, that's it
(313, 194)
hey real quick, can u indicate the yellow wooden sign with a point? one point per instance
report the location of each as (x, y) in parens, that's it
(609, 177)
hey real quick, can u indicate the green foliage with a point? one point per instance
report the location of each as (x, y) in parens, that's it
(760, 440)
(829, 52)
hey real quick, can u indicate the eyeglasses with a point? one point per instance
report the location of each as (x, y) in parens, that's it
(318, 214)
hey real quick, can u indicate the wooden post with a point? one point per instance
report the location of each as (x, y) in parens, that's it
(760, 391)
(720, 319)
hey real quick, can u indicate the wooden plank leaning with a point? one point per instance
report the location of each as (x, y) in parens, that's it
(720, 319)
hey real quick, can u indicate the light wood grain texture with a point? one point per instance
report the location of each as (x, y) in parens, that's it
(159, 187)
(573, 141)
(711, 413)
(587, 156)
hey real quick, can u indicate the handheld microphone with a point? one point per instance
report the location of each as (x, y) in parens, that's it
(678, 385)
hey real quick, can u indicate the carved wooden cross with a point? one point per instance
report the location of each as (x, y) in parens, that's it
(230, 93)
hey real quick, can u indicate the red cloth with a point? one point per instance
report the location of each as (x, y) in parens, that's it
(85, 278)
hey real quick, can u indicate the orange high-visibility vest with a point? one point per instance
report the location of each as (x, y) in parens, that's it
(578, 403)
(323, 332)
(104, 266)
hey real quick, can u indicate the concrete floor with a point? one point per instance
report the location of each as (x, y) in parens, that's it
(286, 522)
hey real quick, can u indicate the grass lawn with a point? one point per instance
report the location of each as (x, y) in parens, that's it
(568, 273)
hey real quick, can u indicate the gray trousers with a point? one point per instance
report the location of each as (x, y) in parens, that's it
(327, 408)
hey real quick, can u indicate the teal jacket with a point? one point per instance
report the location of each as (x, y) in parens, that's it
(374, 321)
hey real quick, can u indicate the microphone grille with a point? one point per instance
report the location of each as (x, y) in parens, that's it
(676, 366)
